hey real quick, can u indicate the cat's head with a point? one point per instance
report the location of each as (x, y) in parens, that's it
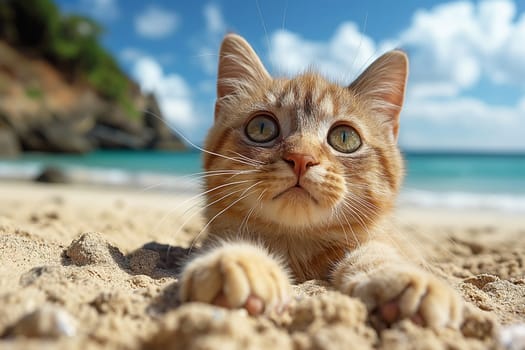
(303, 152)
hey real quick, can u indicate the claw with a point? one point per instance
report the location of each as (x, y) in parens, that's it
(221, 300)
(254, 305)
(390, 312)
(418, 319)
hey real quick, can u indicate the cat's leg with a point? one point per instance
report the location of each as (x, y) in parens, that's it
(397, 289)
(236, 275)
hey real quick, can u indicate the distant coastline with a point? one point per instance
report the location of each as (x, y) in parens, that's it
(434, 179)
(462, 153)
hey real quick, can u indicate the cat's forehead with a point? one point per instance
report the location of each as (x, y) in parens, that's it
(309, 95)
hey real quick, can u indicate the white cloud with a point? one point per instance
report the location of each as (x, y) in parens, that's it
(131, 54)
(155, 23)
(172, 92)
(214, 21)
(507, 64)
(455, 44)
(102, 9)
(452, 48)
(462, 123)
(345, 54)
(215, 29)
(465, 111)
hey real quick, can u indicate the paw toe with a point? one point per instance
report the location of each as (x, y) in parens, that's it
(254, 305)
(389, 312)
(236, 277)
(416, 296)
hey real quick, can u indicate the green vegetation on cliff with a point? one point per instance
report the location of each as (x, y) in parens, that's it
(62, 91)
(71, 42)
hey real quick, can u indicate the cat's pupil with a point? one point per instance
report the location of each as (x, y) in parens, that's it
(262, 128)
(344, 138)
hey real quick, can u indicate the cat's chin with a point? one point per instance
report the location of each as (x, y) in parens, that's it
(294, 194)
(295, 207)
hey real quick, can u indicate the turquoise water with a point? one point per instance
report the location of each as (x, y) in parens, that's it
(468, 173)
(450, 180)
(133, 161)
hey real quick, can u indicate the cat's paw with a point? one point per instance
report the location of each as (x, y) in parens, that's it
(394, 293)
(236, 276)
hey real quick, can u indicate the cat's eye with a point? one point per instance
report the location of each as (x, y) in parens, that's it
(262, 128)
(344, 139)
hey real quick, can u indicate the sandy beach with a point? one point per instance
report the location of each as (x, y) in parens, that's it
(95, 268)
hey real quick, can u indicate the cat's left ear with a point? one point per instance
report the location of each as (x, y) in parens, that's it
(239, 66)
(383, 84)
(240, 69)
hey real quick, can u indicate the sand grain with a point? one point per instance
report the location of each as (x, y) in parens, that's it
(79, 276)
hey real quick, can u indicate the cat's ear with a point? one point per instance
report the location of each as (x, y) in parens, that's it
(239, 67)
(382, 85)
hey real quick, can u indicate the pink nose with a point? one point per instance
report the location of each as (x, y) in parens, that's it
(300, 162)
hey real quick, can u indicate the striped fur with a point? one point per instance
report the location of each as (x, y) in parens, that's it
(294, 205)
(349, 194)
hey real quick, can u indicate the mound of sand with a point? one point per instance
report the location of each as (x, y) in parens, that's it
(91, 269)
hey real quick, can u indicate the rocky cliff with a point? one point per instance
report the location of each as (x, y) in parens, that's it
(52, 103)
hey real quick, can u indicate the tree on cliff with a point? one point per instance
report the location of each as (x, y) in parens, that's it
(62, 91)
(71, 42)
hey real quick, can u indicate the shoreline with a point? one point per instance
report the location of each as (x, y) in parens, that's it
(513, 203)
(189, 187)
(439, 181)
(161, 199)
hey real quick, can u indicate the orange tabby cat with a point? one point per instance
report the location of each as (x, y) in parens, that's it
(303, 177)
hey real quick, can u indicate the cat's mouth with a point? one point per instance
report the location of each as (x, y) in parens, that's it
(297, 191)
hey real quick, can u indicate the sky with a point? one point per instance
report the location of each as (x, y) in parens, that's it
(466, 89)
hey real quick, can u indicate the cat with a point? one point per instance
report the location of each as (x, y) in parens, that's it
(302, 179)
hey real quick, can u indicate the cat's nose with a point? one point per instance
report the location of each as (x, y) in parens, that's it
(300, 162)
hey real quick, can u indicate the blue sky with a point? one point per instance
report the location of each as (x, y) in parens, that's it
(466, 89)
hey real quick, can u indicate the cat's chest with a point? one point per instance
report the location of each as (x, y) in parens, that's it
(311, 261)
(307, 256)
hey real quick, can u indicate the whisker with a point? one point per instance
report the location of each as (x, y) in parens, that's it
(243, 195)
(219, 187)
(221, 171)
(284, 14)
(252, 210)
(199, 195)
(263, 24)
(173, 128)
(232, 173)
(245, 221)
(393, 241)
(153, 186)
(355, 213)
(204, 55)
(248, 159)
(199, 211)
(368, 205)
(197, 177)
(338, 217)
(360, 42)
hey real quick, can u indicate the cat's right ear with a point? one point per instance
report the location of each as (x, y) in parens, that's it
(239, 67)
(383, 85)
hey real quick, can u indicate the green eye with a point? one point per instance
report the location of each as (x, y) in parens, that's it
(344, 139)
(262, 128)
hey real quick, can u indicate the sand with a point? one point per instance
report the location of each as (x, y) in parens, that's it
(95, 268)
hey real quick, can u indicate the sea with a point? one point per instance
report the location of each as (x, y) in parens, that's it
(447, 180)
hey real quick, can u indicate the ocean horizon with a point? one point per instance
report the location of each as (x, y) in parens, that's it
(433, 179)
